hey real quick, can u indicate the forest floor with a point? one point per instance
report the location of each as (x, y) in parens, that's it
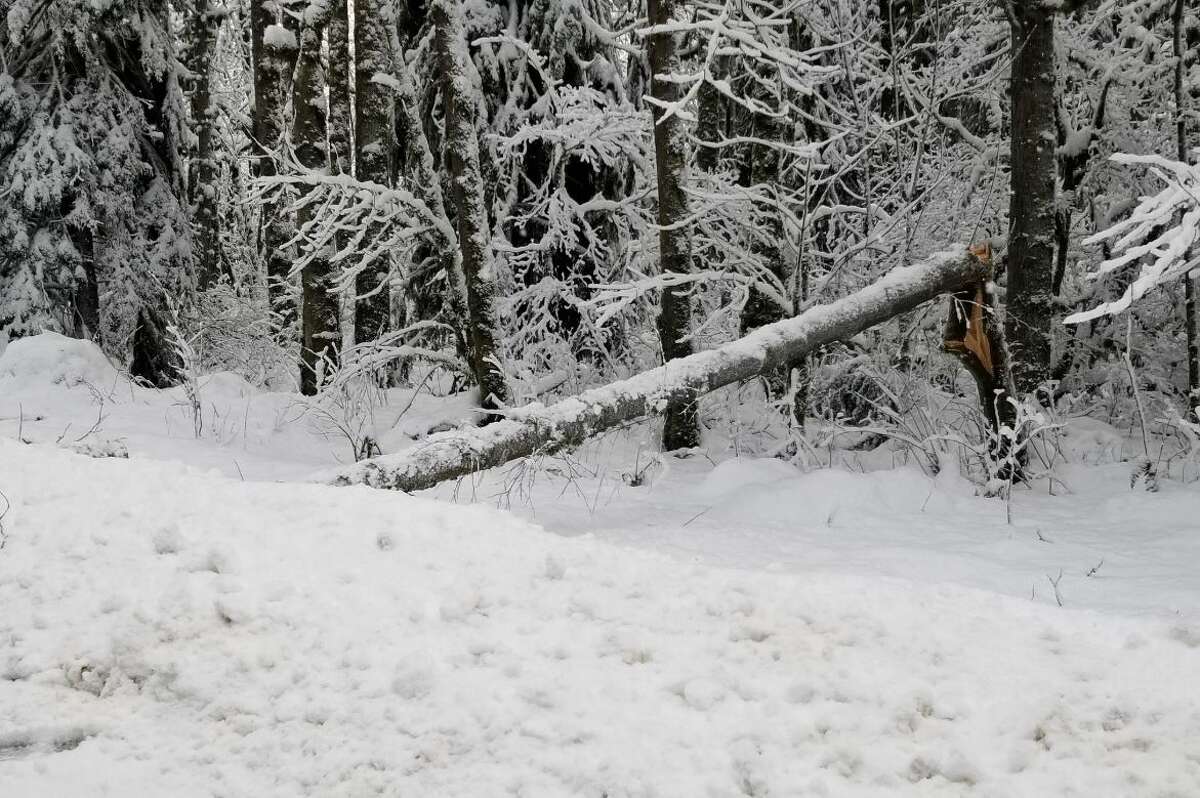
(200, 619)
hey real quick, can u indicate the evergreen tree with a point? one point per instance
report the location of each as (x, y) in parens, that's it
(93, 230)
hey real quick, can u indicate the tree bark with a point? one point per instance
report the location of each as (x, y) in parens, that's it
(710, 120)
(569, 423)
(320, 322)
(373, 147)
(273, 47)
(474, 235)
(1189, 285)
(681, 428)
(152, 358)
(1032, 195)
(340, 124)
(85, 299)
(203, 26)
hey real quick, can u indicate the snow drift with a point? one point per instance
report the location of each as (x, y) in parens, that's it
(56, 359)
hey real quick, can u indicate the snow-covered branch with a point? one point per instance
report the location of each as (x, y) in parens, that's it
(540, 428)
(1162, 232)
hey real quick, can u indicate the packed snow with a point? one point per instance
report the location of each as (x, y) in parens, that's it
(198, 619)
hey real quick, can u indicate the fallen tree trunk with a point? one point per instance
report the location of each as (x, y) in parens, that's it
(537, 428)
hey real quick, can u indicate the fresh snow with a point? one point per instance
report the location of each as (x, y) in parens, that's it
(58, 389)
(730, 627)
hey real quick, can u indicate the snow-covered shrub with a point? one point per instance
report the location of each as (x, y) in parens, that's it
(850, 392)
(236, 331)
(346, 405)
(923, 424)
(936, 427)
(1186, 432)
(188, 371)
(347, 412)
(102, 449)
(745, 422)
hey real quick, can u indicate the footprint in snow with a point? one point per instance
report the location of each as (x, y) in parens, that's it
(168, 540)
(701, 693)
(42, 741)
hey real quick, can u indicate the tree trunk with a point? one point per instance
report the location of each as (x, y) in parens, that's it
(972, 336)
(85, 299)
(341, 128)
(373, 147)
(151, 358)
(427, 185)
(474, 235)
(1031, 208)
(681, 428)
(203, 25)
(274, 51)
(569, 423)
(1189, 285)
(320, 322)
(710, 120)
(710, 133)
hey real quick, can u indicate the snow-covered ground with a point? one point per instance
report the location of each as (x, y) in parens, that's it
(196, 620)
(762, 514)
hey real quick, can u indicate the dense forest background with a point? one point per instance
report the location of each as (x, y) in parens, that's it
(534, 197)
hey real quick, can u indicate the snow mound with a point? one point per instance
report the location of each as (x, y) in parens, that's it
(227, 385)
(731, 476)
(1094, 442)
(53, 358)
(167, 633)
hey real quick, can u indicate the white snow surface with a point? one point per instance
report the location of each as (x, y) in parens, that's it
(57, 359)
(730, 628)
(168, 633)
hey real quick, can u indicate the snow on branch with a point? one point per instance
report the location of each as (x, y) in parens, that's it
(1162, 232)
(611, 299)
(369, 357)
(759, 37)
(360, 222)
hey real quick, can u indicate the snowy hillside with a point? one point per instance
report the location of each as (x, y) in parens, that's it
(174, 631)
